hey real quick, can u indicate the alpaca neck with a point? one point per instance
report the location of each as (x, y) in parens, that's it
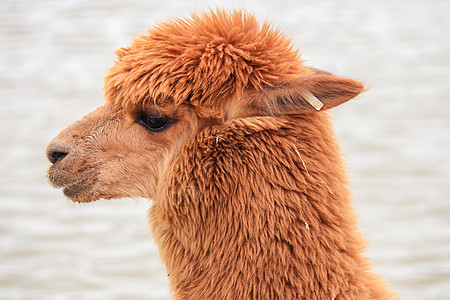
(250, 220)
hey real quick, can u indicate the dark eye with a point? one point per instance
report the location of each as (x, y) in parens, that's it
(154, 122)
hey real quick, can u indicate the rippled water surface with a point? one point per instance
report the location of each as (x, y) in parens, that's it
(396, 137)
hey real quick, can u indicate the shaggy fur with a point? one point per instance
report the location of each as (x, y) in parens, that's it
(249, 188)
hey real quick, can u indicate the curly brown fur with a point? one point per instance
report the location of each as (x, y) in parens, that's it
(249, 188)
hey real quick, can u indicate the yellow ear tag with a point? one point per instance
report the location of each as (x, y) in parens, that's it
(313, 100)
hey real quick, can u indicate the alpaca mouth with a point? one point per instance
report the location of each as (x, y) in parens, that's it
(76, 187)
(74, 190)
(71, 191)
(80, 192)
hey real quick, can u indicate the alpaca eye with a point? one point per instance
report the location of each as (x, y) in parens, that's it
(154, 122)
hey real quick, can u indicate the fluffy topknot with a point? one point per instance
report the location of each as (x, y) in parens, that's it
(201, 60)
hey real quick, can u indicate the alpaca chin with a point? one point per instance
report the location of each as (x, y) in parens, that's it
(80, 193)
(78, 187)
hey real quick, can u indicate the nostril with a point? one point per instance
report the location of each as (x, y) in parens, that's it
(56, 156)
(56, 152)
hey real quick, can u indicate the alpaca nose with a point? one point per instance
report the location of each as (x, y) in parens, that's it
(57, 151)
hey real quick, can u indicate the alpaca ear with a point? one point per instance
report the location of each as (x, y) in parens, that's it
(303, 94)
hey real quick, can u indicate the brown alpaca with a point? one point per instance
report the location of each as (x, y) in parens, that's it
(218, 121)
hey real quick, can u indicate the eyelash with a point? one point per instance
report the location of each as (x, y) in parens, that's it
(154, 121)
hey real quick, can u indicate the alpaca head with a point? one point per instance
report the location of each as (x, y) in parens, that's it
(171, 84)
(216, 118)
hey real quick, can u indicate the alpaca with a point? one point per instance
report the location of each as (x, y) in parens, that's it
(218, 121)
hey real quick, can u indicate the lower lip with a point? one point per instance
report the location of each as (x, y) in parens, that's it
(72, 191)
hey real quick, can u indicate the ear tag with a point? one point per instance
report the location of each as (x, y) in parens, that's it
(313, 100)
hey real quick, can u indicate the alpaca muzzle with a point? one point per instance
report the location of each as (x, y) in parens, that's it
(64, 172)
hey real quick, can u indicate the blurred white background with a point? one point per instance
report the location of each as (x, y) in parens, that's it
(396, 138)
